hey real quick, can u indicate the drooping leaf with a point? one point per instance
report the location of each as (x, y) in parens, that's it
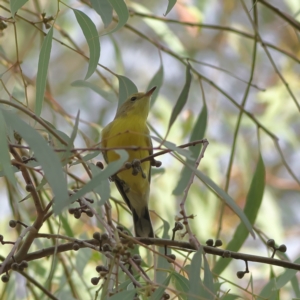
(182, 99)
(194, 275)
(163, 32)
(160, 290)
(226, 198)
(15, 5)
(103, 188)
(253, 203)
(70, 145)
(181, 283)
(186, 153)
(41, 78)
(106, 95)
(91, 35)
(126, 88)
(104, 10)
(197, 134)
(124, 295)
(162, 263)
(208, 282)
(66, 226)
(46, 157)
(157, 81)
(171, 4)
(5, 163)
(111, 169)
(122, 11)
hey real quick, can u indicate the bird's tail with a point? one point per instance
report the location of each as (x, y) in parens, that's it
(142, 224)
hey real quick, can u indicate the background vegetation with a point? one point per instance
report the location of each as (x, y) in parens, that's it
(227, 71)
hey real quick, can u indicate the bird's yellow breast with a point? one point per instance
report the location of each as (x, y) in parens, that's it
(124, 132)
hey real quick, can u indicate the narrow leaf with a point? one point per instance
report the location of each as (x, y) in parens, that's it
(5, 163)
(91, 35)
(104, 10)
(111, 169)
(181, 283)
(86, 158)
(170, 6)
(253, 203)
(106, 95)
(122, 11)
(66, 226)
(182, 99)
(194, 275)
(226, 198)
(103, 188)
(70, 145)
(41, 78)
(186, 153)
(124, 295)
(162, 263)
(157, 81)
(160, 291)
(287, 276)
(15, 5)
(197, 134)
(126, 88)
(45, 156)
(208, 282)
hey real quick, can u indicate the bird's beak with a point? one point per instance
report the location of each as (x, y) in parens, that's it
(150, 92)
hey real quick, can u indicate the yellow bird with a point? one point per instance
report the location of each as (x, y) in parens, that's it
(129, 128)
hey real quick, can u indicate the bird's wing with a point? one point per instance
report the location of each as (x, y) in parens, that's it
(149, 144)
(104, 138)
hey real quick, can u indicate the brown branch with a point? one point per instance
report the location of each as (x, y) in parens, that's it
(179, 245)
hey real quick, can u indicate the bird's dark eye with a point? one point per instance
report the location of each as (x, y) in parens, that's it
(133, 99)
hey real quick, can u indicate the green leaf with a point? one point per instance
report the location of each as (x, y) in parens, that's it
(186, 153)
(83, 258)
(253, 203)
(70, 145)
(15, 5)
(194, 275)
(230, 297)
(295, 285)
(41, 78)
(45, 156)
(104, 10)
(287, 276)
(66, 226)
(124, 295)
(122, 11)
(126, 88)
(197, 134)
(111, 169)
(181, 283)
(270, 291)
(103, 188)
(162, 30)
(223, 196)
(182, 99)
(86, 158)
(170, 6)
(157, 81)
(160, 290)
(106, 95)
(5, 163)
(209, 291)
(91, 35)
(162, 264)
